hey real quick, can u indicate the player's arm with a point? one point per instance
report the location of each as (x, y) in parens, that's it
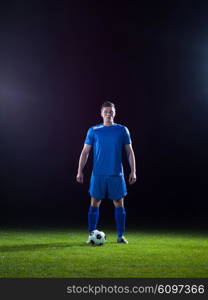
(82, 162)
(132, 163)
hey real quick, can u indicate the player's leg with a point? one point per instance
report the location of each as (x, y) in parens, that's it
(95, 202)
(120, 217)
(117, 191)
(97, 192)
(93, 214)
(119, 203)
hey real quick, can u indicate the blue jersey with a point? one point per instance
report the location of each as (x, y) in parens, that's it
(108, 142)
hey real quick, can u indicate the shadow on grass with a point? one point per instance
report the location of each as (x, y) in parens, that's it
(29, 247)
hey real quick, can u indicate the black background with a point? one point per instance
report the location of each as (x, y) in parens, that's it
(58, 62)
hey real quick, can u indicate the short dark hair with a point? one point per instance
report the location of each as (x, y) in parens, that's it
(107, 104)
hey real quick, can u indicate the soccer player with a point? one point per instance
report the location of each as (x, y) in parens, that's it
(108, 140)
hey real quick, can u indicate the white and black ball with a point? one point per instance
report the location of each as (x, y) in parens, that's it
(97, 238)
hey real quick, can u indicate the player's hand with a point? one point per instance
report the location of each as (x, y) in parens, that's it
(132, 178)
(80, 177)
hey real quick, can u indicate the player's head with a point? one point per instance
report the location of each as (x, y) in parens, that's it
(108, 111)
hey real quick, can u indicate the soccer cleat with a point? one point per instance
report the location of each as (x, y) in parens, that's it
(122, 240)
(88, 241)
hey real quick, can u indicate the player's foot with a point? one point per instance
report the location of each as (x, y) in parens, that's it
(122, 240)
(88, 240)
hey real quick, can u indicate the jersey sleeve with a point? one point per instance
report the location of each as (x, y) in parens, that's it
(126, 136)
(90, 137)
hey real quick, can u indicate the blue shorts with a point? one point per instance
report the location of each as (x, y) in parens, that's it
(107, 186)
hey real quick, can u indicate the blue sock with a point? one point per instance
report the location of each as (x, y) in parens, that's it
(120, 216)
(93, 216)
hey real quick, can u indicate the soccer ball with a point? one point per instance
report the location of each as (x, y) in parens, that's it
(97, 237)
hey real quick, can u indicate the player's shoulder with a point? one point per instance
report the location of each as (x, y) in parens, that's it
(122, 127)
(97, 126)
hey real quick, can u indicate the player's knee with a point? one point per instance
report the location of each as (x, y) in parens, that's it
(118, 203)
(95, 202)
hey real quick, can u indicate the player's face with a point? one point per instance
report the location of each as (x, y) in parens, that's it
(108, 114)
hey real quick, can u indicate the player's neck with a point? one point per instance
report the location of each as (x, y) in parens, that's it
(108, 123)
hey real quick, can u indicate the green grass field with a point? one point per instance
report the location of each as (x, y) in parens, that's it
(62, 253)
